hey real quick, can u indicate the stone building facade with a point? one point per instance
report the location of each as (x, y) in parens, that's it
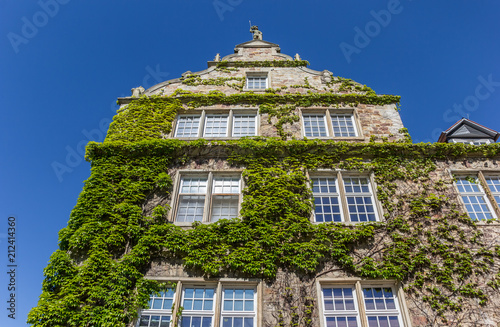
(259, 192)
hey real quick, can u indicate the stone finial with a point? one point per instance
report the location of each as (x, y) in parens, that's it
(257, 35)
(326, 76)
(217, 57)
(297, 57)
(137, 91)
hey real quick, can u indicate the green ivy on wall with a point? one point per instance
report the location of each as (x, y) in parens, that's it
(96, 278)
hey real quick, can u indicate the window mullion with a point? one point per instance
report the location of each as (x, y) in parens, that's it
(361, 304)
(329, 125)
(230, 124)
(201, 129)
(343, 197)
(208, 198)
(218, 304)
(177, 303)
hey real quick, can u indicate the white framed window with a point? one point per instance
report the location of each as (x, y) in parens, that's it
(199, 306)
(204, 304)
(493, 183)
(471, 141)
(343, 125)
(188, 126)
(207, 197)
(343, 305)
(239, 306)
(257, 82)
(315, 125)
(474, 197)
(329, 123)
(159, 311)
(326, 199)
(342, 197)
(360, 201)
(232, 123)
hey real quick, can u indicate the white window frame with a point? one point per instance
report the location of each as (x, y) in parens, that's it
(327, 117)
(361, 313)
(260, 75)
(342, 194)
(199, 313)
(204, 116)
(494, 193)
(243, 313)
(209, 195)
(217, 313)
(471, 141)
(484, 191)
(158, 312)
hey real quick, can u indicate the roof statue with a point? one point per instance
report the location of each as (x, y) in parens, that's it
(257, 35)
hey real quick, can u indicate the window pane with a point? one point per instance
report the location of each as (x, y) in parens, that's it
(194, 185)
(238, 299)
(187, 126)
(338, 299)
(256, 82)
(474, 198)
(314, 126)
(343, 126)
(227, 185)
(327, 208)
(494, 186)
(244, 125)
(359, 199)
(224, 207)
(200, 299)
(190, 208)
(216, 125)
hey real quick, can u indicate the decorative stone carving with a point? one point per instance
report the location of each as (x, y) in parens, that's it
(137, 91)
(326, 76)
(217, 57)
(257, 35)
(297, 57)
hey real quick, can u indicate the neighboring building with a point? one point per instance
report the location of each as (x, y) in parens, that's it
(259, 192)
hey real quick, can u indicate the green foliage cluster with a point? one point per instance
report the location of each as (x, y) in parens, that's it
(194, 80)
(263, 63)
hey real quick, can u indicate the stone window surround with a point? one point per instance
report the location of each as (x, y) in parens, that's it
(260, 73)
(219, 285)
(357, 284)
(327, 112)
(208, 200)
(339, 175)
(202, 112)
(481, 175)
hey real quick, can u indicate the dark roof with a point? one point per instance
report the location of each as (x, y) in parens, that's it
(468, 129)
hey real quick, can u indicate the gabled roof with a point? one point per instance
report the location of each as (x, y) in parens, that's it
(468, 129)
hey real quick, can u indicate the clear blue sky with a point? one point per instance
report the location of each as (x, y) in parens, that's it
(61, 72)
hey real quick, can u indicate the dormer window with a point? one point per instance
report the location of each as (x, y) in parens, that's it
(469, 132)
(257, 82)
